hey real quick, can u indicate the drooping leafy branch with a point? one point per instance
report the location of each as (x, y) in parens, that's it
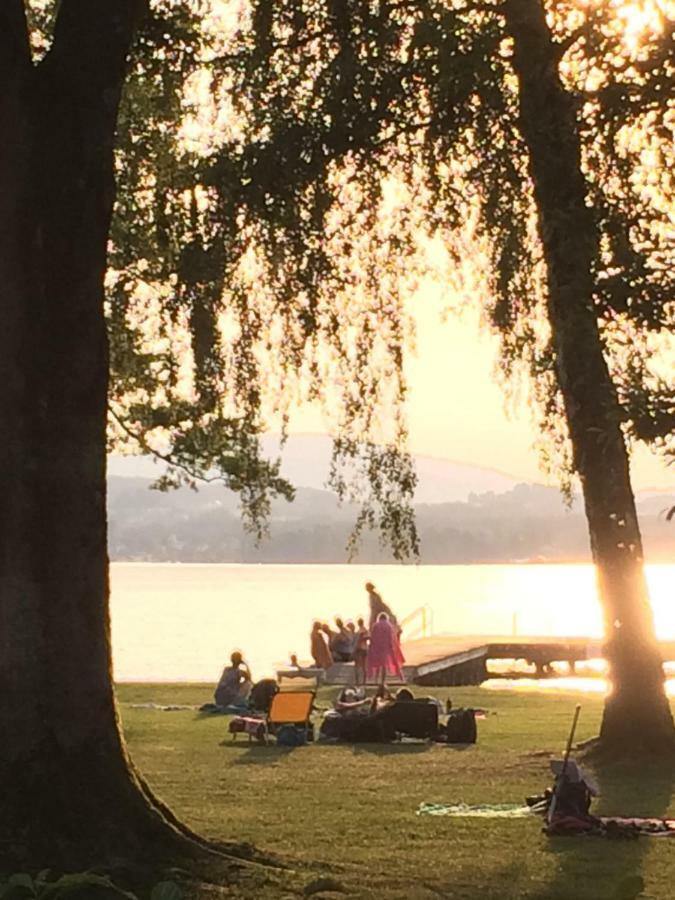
(427, 91)
(280, 167)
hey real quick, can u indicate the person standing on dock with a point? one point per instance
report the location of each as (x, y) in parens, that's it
(319, 648)
(361, 653)
(377, 606)
(384, 653)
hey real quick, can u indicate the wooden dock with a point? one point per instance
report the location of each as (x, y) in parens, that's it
(452, 659)
(447, 659)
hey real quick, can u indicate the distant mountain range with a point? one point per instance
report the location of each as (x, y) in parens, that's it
(465, 515)
(306, 461)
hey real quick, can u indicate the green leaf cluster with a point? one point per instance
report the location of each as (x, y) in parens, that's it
(77, 886)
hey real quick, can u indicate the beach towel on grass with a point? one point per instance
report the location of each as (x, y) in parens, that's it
(571, 826)
(234, 709)
(611, 826)
(482, 810)
(170, 707)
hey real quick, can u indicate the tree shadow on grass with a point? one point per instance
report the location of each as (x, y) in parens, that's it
(390, 749)
(498, 884)
(255, 753)
(600, 868)
(201, 714)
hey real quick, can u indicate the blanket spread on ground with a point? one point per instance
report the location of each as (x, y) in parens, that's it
(601, 826)
(172, 707)
(483, 810)
(611, 826)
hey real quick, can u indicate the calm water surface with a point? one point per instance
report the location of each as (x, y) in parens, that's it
(179, 622)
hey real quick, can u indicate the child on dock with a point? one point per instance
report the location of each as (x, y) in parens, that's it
(360, 652)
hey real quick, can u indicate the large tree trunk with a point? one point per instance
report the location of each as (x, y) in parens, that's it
(69, 793)
(637, 711)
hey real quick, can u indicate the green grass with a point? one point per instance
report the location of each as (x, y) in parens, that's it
(348, 812)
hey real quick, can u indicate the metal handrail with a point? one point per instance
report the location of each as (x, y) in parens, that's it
(426, 627)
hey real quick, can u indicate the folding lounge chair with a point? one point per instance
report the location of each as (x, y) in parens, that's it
(290, 708)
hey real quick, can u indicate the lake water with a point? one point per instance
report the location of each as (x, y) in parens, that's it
(179, 622)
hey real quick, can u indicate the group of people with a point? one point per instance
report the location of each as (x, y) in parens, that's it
(375, 650)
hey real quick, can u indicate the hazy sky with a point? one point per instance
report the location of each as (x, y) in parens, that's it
(457, 410)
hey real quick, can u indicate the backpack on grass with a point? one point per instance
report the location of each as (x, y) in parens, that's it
(291, 736)
(262, 693)
(461, 726)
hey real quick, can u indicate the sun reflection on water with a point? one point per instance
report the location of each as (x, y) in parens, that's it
(584, 683)
(566, 683)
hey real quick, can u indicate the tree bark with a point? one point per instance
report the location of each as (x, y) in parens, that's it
(636, 711)
(70, 796)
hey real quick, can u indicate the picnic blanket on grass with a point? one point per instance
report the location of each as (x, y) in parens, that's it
(170, 707)
(481, 810)
(611, 826)
(234, 709)
(600, 826)
(210, 708)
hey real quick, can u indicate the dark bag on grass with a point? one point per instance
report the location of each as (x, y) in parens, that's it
(358, 729)
(262, 693)
(291, 736)
(461, 726)
(372, 729)
(414, 718)
(572, 799)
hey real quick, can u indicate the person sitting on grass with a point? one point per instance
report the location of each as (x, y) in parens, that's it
(350, 701)
(381, 699)
(235, 683)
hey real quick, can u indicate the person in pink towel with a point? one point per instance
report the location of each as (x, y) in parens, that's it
(384, 653)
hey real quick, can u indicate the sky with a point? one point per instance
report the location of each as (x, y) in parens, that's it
(458, 411)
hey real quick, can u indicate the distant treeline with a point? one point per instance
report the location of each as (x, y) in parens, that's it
(529, 522)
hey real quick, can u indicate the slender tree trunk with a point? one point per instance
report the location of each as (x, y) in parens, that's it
(637, 711)
(69, 793)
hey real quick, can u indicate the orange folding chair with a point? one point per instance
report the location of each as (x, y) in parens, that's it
(290, 708)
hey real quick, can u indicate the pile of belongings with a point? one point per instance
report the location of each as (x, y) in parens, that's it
(258, 701)
(254, 728)
(358, 719)
(566, 808)
(250, 720)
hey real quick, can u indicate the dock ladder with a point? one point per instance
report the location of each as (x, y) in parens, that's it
(419, 623)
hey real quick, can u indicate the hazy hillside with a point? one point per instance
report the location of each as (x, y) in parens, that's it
(528, 522)
(306, 461)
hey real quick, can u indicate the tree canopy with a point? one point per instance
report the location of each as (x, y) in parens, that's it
(282, 170)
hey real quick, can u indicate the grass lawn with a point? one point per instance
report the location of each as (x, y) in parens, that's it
(348, 812)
